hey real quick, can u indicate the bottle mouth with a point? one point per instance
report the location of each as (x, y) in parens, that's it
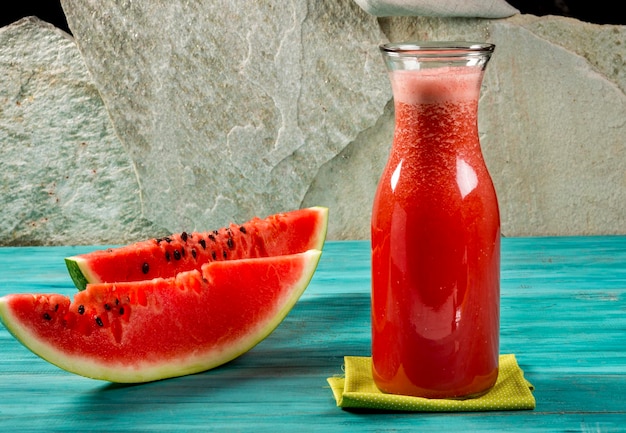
(432, 54)
(437, 48)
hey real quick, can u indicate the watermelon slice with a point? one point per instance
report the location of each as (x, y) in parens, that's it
(164, 327)
(284, 233)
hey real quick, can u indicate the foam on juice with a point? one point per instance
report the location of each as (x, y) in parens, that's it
(436, 85)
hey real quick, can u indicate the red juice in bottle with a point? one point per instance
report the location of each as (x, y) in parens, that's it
(435, 235)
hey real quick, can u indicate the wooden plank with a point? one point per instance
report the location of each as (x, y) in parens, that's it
(563, 315)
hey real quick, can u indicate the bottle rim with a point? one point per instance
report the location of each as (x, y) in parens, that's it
(437, 49)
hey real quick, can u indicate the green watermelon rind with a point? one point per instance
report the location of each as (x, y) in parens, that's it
(165, 368)
(77, 273)
(81, 274)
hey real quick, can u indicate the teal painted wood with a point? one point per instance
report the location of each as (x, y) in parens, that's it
(563, 315)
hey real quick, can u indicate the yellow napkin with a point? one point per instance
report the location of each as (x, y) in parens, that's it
(357, 390)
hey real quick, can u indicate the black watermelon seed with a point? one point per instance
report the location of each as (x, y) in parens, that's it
(99, 321)
(167, 256)
(81, 309)
(182, 252)
(202, 242)
(230, 243)
(145, 268)
(168, 240)
(215, 232)
(117, 301)
(224, 254)
(193, 253)
(242, 229)
(213, 255)
(107, 307)
(56, 307)
(212, 238)
(176, 254)
(121, 311)
(46, 316)
(158, 240)
(183, 236)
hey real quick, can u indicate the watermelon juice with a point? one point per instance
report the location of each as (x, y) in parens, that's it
(435, 235)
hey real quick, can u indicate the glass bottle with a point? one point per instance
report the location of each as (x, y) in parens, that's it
(435, 230)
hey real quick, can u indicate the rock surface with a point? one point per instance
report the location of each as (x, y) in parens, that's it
(64, 175)
(554, 112)
(229, 108)
(232, 109)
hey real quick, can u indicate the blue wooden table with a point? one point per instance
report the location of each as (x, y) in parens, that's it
(563, 315)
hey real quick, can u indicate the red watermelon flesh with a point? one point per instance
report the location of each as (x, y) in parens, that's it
(279, 234)
(161, 328)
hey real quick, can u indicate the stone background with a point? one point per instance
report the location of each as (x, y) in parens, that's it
(173, 115)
